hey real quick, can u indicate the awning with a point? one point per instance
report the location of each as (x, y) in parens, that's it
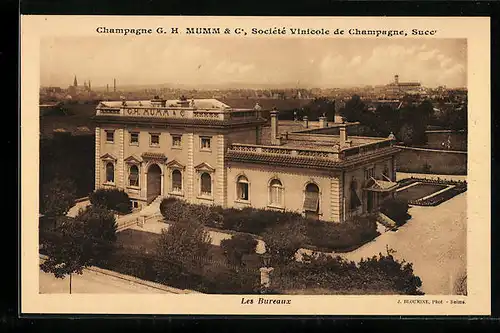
(311, 201)
(377, 185)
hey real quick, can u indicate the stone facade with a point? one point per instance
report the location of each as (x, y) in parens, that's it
(205, 152)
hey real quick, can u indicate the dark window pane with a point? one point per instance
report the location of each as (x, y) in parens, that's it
(206, 184)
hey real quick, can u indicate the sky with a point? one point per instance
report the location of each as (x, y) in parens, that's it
(225, 62)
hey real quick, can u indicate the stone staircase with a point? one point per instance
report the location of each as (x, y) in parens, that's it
(140, 217)
(386, 221)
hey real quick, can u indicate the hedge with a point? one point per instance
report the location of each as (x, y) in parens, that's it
(381, 274)
(112, 199)
(328, 235)
(210, 279)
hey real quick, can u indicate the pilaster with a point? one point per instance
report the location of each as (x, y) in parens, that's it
(190, 168)
(120, 164)
(221, 171)
(335, 199)
(97, 158)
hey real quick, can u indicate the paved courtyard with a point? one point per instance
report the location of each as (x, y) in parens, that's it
(434, 240)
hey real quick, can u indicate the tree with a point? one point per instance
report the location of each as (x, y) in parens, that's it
(57, 197)
(284, 240)
(80, 242)
(353, 109)
(180, 249)
(238, 246)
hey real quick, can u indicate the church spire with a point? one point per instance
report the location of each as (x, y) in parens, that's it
(75, 83)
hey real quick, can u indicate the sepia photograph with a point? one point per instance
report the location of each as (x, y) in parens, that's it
(261, 168)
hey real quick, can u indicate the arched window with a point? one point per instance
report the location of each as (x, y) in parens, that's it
(110, 173)
(242, 188)
(206, 184)
(311, 201)
(276, 193)
(176, 181)
(133, 177)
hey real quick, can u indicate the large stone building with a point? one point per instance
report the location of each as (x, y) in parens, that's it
(206, 152)
(398, 87)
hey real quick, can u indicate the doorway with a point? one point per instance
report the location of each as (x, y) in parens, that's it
(153, 182)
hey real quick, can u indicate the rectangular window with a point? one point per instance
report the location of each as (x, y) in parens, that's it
(134, 138)
(205, 143)
(176, 141)
(369, 172)
(155, 139)
(110, 136)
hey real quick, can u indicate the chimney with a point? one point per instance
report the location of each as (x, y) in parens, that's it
(396, 79)
(343, 135)
(322, 122)
(306, 122)
(275, 140)
(338, 119)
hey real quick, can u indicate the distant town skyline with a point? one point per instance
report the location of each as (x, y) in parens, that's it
(224, 63)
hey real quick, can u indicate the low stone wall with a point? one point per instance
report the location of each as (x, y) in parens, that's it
(133, 280)
(435, 161)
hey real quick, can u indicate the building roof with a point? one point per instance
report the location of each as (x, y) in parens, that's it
(307, 162)
(196, 103)
(177, 121)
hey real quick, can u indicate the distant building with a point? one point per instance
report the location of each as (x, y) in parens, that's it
(75, 89)
(398, 87)
(206, 152)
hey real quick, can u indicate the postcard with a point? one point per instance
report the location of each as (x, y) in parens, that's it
(255, 165)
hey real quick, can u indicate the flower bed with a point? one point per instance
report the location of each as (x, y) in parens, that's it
(459, 187)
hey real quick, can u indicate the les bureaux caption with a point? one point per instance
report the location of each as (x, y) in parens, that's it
(262, 300)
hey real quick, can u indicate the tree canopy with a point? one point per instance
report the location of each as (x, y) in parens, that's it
(79, 242)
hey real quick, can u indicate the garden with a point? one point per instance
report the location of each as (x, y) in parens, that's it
(421, 193)
(319, 235)
(183, 257)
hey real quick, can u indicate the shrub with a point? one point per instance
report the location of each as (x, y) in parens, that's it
(342, 236)
(179, 250)
(386, 268)
(396, 209)
(380, 274)
(238, 246)
(112, 199)
(174, 209)
(283, 241)
(255, 221)
(99, 227)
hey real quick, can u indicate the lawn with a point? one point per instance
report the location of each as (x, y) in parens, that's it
(134, 255)
(419, 191)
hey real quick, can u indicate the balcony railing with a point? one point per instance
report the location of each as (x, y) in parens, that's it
(333, 154)
(288, 151)
(177, 112)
